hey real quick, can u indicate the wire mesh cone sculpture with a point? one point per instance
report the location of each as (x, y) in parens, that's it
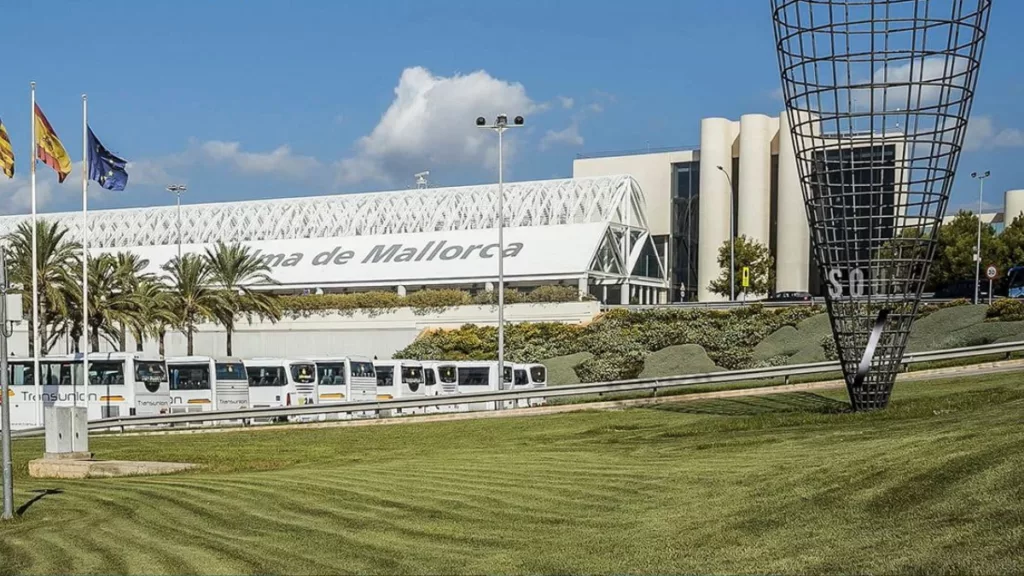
(877, 94)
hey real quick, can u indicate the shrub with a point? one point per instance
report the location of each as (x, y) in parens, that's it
(828, 344)
(377, 302)
(1006, 310)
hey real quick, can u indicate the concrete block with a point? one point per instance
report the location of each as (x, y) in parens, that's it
(67, 429)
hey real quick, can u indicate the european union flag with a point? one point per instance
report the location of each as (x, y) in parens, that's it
(104, 167)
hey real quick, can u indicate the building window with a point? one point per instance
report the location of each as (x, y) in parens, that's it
(685, 230)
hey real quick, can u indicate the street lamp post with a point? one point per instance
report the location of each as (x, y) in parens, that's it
(980, 177)
(500, 125)
(177, 189)
(732, 241)
(5, 400)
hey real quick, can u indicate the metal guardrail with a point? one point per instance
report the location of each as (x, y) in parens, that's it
(739, 304)
(637, 385)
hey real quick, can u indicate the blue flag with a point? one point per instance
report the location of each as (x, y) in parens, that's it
(104, 167)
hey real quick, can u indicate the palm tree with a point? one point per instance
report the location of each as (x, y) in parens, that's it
(192, 299)
(235, 270)
(111, 302)
(57, 260)
(156, 313)
(129, 274)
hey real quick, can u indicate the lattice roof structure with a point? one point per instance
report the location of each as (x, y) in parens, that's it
(611, 199)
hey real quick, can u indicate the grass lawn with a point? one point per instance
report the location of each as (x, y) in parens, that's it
(780, 484)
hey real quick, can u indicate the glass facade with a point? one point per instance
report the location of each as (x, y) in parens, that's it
(685, 230)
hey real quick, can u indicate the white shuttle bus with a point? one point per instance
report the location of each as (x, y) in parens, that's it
(400, 379)
(530, 376)
(202, 383)
(441, 378)
(475, 377)
(120, 384)
(278, 382)
(346, 379)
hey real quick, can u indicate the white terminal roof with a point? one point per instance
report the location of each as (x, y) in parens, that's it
(566, 229)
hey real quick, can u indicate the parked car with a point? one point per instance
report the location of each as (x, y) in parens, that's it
(791, 297)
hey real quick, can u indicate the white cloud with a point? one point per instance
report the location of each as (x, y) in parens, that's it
(596, 107)
(16, 194)
(777, 94)
(150, 172)
(570, 136)
(567, 102)
(917, 83)
(280, 161)
(982, 134)
(431, 123)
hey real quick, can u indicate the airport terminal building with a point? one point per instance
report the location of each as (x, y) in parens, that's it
(592, 233)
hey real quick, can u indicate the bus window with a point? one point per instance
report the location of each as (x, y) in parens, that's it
(508, 373)
(521, 379)
(194, 377)
(363, 370)
(447, 374)
(539, 374)
(152, 371)
(266, 376)
(428, 378)
(330, 374)
(304, 373)
(474, 376)
(106, 373)
(385, 376)
(412, 374)
(230, 371)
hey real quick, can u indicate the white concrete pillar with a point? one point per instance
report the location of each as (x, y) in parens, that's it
(754, 197)
(624, 293)
(717, 136)
(1013, 205)
(583, 286)
(792, 246)
(401, 290)
(604, 293)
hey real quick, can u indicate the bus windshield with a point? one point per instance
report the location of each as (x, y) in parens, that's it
(304, 373)
(1016, 277)
(150, 371)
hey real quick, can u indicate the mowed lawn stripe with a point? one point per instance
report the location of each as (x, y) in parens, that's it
(783, 486)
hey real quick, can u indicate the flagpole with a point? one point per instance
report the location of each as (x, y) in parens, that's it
(85, 249)
(35, 269)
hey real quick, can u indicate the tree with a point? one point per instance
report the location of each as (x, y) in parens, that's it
(156, 312)
(749, 253)
(128, 273)
(235, 270)
(111, 302)
(192, 297)
(57, 258)
(954, 256)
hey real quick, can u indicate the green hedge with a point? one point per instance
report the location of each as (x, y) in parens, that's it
(1006, 310)
(618, 340)
(376, 303)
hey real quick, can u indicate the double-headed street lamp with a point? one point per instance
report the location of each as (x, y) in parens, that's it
(732, 241)
(980, 177)
(177, 189)
(500, 125)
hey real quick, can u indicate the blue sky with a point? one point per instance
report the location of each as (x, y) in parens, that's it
(268, 98)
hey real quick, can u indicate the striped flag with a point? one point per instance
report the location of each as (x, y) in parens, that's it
(6, 152)
(49, 148)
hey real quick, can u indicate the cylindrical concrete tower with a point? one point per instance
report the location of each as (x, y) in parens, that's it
(1013, 205)
(717, 136)
(755, 184)
(792, 244)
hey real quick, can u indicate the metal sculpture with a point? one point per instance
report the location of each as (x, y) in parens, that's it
(878, 93)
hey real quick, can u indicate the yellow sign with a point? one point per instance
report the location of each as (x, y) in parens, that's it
(746, 277)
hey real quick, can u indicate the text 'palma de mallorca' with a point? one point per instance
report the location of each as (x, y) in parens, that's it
(588, 232)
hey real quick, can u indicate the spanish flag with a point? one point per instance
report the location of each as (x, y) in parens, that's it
(49, 148)
(6, 152)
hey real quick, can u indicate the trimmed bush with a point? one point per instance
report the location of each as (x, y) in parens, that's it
(677, 360)
(1006, 310)
(932, 331)
(562, 369)
(377, 302)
